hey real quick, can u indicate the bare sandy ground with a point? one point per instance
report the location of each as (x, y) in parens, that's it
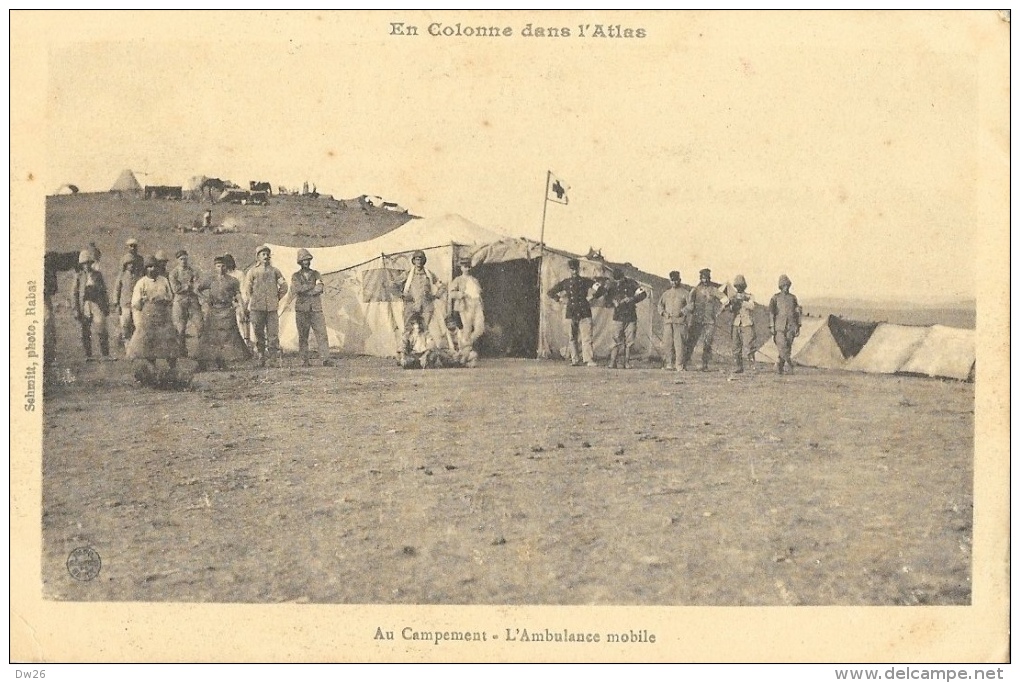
(519, 482)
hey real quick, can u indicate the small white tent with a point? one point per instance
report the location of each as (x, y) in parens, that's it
(889, 347)
(808, 328)
(126, 182)
(945, 352)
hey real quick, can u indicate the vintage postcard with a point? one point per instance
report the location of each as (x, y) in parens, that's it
(407, 336)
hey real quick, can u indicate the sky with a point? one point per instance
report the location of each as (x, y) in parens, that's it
(841, 149)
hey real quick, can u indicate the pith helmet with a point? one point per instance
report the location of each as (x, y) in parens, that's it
(419, 255)
(303, 255)
(160, 256)
(85, 257)
(784, 281)
(739, 281)
(127, 260)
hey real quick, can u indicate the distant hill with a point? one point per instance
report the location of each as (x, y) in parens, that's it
(960, 314)
(72, 221)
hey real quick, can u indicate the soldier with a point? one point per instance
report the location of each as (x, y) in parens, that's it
(578, 312)
(706, 301)
(94, 250)
(307, 287)
(161, 261)
(91, 305)
(466, 298)
(242, 310)
(155, 336)
(136, 258)
(418, 349)
(264, 286)
(186, 307)
(624, 294)
(220, 340)
(123, 288)
(742, 305)
(458, 350)
(674, 309)
(784, 323)
(420, 289)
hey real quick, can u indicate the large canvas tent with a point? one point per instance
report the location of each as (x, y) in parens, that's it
(363, 308)
(533, 310)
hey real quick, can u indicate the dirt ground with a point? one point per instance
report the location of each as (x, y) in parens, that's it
(518, 482)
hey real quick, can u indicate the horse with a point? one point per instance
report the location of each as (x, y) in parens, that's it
(213, 184)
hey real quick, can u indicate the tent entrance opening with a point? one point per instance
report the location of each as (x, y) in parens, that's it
(510, 295)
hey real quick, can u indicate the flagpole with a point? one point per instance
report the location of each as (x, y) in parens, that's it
(541, 263)
(545, 205)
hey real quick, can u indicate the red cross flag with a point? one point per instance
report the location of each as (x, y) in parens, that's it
(557, 190)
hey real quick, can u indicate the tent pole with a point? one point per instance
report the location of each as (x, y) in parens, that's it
(541, 318)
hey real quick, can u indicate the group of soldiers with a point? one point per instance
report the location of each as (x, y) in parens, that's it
(157, 305)
(689, 318)
(234, 313)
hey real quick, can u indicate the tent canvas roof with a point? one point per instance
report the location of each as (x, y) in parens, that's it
(415, 234)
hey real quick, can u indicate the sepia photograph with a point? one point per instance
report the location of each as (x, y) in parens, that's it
(420, 336)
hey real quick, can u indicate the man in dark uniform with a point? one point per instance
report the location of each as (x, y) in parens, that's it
(625, 294)
(707, 301)
(91, 305)
(578, 312)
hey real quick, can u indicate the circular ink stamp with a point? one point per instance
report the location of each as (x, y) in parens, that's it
(83, 564)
